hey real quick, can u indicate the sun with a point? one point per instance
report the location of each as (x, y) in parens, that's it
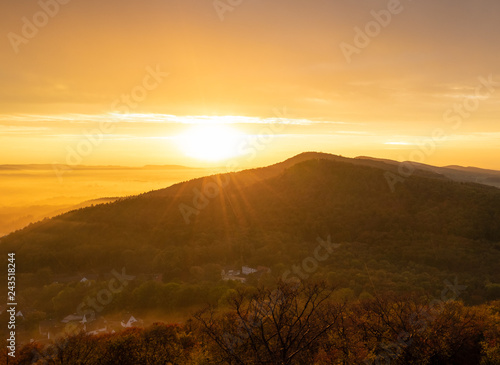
(210, 142)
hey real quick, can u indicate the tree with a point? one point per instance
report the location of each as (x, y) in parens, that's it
(280, 326)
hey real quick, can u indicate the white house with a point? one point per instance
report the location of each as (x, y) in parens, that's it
(72, 318)
(248, 270)
(231, 274)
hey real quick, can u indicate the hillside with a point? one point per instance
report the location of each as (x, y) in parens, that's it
(429, 230)
(14, 218)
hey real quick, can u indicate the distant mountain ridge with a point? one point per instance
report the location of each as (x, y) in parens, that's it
(7, 167)
(251, 176)
(453, 172)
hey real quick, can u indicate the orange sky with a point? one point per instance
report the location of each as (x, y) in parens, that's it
(282, 61)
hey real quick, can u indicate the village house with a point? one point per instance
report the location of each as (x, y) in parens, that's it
(239, 275)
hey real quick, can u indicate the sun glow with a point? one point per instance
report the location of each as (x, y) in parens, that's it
(210, 142)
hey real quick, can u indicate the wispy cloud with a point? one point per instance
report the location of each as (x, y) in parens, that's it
(21, 129)
(399, 143)
(69, 119)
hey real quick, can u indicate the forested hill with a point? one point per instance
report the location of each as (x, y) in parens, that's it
(273, 216)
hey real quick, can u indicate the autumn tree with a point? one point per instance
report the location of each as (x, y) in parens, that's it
(280, 326)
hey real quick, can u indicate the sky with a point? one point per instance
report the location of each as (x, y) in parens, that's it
(204, 82)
